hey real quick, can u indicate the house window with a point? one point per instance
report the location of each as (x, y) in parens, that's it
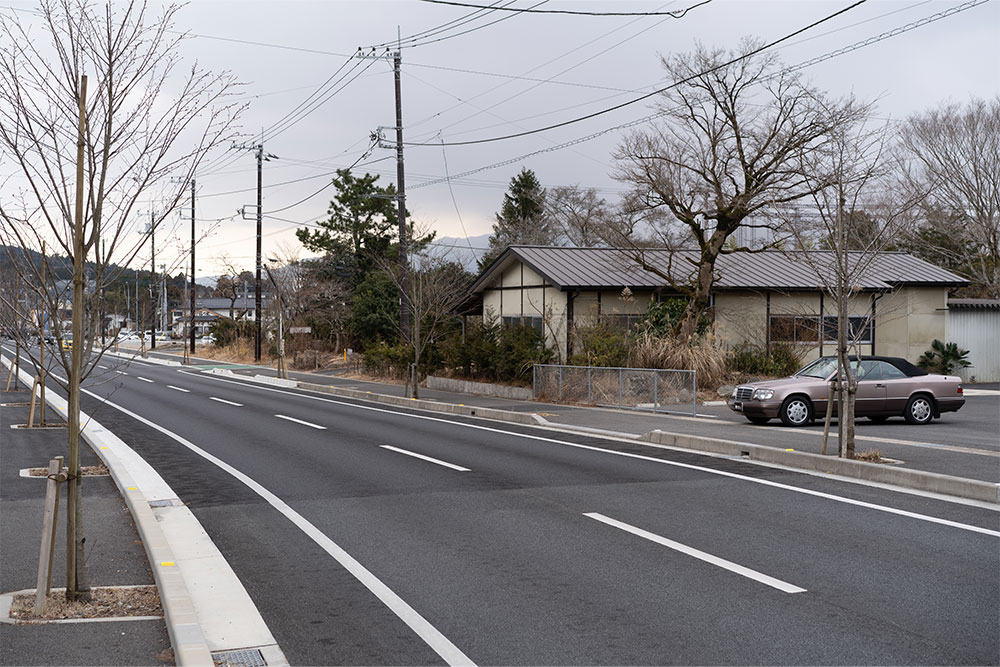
(794, 328)
(859, 329)
(621, 322)
(536, 323)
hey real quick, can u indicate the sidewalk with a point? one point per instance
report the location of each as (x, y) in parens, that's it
(115, 555)
(712, 421)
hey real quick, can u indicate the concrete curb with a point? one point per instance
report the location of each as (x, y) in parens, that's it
(529, 418)
(972, 489)
(186, 636)
(479, 388)
(148, 360)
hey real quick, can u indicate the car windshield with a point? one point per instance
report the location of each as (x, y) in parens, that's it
(821, 368)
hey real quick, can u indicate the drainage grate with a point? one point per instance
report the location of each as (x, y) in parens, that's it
(242, 658)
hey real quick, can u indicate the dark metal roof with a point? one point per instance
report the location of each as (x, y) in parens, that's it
(977, 304)
(611, 268)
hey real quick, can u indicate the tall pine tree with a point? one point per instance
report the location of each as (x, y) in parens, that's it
(522, 219)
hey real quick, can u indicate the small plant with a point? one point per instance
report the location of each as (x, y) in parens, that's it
(944, 358)
(869, 455)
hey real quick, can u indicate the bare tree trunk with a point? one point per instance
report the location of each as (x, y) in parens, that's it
(76, 580)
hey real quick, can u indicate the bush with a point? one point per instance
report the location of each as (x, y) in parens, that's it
(227, 331)
(663, 316)
(496, 352)
(602, 345)
(381, 358)
(782, 361)
(944, 358)
(701, 354)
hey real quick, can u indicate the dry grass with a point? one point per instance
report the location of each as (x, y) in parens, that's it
(86, 471)
(104, 603)
(239, 352)
(703, 355)
(869, 455)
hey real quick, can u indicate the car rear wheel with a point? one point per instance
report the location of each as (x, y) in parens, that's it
(919, 409)
(796, 411)
(758, 420)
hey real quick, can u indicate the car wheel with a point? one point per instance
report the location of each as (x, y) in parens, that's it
(919, 409)
(758, 420)
(796, 411)
(878, 419)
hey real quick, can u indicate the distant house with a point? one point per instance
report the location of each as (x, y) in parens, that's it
(762, 298)
(208, 309)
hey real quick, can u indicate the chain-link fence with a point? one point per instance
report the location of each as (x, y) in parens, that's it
(653, 389)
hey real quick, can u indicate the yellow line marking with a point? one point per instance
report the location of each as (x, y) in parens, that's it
(167, 563)
(132, 488)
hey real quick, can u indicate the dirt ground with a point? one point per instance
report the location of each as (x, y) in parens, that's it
(106, 602)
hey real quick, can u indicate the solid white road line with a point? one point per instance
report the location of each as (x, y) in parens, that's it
(782, 586)
(222, 400)
(299, 421)
(104, 367)
(440, 644)
(186, 391)
(143, 379)
(121, 372)
(425, 458)
(641, 457)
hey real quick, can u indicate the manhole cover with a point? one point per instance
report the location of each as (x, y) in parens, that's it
(242, 658)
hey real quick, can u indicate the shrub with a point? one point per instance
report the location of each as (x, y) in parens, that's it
(944, 358)
(602, 344)
(783, 360)
(381, 358)
(496, 352)
(227, 331)
(662, 317)
(701, 354)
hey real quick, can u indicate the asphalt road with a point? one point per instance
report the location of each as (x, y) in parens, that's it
(547, 548)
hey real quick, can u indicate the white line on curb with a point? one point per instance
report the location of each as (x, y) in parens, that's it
(299, 421)
(139, 377)
(186, 391)
(783, 586)
(641, 457)
(425, 458)
(222, 400)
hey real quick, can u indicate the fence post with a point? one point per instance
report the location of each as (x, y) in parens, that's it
(560, 384)
(694, 393)
(589, 399)
(621, 380)
(656, 402)
(534, 381)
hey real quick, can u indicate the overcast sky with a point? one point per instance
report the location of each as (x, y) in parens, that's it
(465, 86)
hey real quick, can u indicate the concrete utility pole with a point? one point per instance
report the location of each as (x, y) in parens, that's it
(260, 187)
(152, 276)
(404, 266)
(191, 303)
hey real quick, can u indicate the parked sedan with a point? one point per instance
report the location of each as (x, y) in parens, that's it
(887, 387)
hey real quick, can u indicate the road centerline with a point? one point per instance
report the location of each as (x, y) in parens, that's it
(736, 568)
(186, 391)
(139, 377)
(222, 400)
(426, 458)
(300, 421)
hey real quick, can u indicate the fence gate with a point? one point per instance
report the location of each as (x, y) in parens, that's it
(655, 389)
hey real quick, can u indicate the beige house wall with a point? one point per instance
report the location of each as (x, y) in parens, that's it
(906, 320)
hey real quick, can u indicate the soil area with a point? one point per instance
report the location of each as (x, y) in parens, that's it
(106, 602)
(86, 471)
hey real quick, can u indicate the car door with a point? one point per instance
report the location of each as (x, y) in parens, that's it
(871, 396)
(897, 387)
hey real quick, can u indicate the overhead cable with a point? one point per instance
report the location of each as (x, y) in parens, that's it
(678, 13)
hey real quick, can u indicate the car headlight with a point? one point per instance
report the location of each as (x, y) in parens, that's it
(763, 394)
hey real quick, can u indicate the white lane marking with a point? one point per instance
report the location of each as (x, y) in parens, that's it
(222, 400)
(641, 457)
(440, 644)
(121, 372)
(782, 586)
(425, 458)
(104, 367)
(299, 421)
(139, 377)
(186, 391)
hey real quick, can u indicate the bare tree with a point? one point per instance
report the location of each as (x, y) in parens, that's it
(951, 156)
(724, 157)
(83, 161)
(578, 213)
(853, 212)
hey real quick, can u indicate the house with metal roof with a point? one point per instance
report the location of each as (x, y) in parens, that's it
(764, 298)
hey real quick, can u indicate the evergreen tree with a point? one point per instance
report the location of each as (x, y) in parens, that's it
(522, 219)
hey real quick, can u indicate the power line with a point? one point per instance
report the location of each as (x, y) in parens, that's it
(444, 27)
(641, 121)
(635, 100)
(305, 199)
(676, 14)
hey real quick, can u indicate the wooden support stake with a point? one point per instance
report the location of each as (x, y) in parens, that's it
(49, 521)
(31, 403)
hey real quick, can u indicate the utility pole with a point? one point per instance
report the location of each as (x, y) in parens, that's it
(191, 303)
(152, 276)
(262, 157)
(404, 266)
